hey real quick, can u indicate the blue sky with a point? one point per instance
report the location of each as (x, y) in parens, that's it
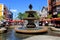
(22, 5)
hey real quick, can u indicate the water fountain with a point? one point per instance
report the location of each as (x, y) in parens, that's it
(31, 26)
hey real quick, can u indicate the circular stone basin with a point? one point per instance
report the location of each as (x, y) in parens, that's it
(2, 30)
(55, 29)
(31, 30)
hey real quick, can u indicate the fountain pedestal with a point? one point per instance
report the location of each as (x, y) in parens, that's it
(31, 23)
(30, 18)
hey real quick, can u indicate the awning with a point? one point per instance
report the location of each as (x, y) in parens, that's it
(58, 19)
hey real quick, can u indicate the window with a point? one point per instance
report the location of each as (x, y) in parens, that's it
(58, 9)
(53, 0)
(54, 10)
(57, 0)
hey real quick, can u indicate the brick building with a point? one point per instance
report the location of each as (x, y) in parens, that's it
(54, 7)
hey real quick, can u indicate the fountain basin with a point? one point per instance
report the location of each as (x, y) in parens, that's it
(31, 30)
(55, 29)
(2, 30)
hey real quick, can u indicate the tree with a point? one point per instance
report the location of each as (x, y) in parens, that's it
(36, 15)
(25, 15)
(20, 15)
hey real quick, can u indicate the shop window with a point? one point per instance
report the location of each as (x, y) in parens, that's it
(55, 15)
(58, 9)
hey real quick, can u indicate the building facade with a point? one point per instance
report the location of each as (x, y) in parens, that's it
(44, 12)
(5, 12)
(10, 15)
(54, 7)
(1, 9)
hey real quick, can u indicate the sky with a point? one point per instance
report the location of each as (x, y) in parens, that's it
(16, 6)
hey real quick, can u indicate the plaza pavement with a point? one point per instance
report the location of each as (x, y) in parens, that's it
(43, 37)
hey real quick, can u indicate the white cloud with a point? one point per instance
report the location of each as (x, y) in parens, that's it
(13, 10)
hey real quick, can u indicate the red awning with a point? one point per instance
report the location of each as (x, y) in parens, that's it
(11, 21)
(47, 20)
(16, 20)
(58, 19)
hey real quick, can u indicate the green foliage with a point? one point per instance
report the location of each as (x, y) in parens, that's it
(25, 15)
(58, 14)
(20, 15)
(49, 16)
(36, 15)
